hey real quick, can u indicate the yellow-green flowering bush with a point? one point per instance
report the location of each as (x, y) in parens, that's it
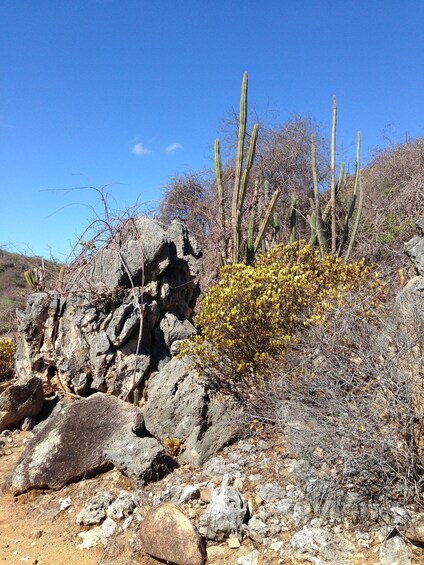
(255, 313)
(7, 357)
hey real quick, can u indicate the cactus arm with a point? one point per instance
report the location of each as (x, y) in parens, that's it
(60, 279)
(218, 173)
(293, 218)
(249, 163)
(339, 185)
(312, 219)
(236, 216)
(265, 219)
(356, 187)
(31, 280)
(333, 177)
(250, 249)
(319, 228)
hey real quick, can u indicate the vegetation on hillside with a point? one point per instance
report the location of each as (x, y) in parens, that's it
(13, 286)
(251, 318)
(299, 334)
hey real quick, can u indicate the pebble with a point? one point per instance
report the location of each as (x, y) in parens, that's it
(233, 543)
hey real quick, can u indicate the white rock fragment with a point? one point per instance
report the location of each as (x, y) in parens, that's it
(64, 504)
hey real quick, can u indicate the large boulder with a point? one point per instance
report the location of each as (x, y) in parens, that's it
(119, 314)
(179, 406)
(167, 534)
(18, 402)
(86, 437)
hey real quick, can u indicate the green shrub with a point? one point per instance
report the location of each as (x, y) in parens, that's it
(254, 314)
(7, 357)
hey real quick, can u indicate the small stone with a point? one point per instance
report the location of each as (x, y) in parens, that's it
(255, 478)
(205, 495)
(238, 484)
(250, 559)
(93, 537)
(271, 492)
(233, 543)
(28, 424)
(227, 480)
(36, 534)
(415, 531)
(65, 503)
(258, 500)
(218, 553)
(216, 466)
(276, 546)
(122, 506)
(256, 529)
(94, 510)
(109, 527)
(189, 493)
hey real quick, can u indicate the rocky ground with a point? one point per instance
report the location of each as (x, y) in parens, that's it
(40, 527)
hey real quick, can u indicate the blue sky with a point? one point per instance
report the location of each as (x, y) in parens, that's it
(127, 93)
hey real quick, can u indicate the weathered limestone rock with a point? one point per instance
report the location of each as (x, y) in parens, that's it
(94, 511)
(89, 336)
(415, 249)
(168, 535)
(225, 514)
(179, 406)
(87, 437)
(394, 551)
(414, 531)
(318, 545)
(18, 402)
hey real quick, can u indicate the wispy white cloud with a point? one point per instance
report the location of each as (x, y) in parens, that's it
(139, 149)
(173, 147)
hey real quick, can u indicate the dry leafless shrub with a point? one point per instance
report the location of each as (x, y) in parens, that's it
(393, 202)
(350, 398)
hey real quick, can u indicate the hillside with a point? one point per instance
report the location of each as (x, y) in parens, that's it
(13, 288)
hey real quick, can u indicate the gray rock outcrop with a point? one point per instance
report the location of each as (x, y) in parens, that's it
(179, 406)
(415, 251)
(84, 438)
(119, 313)
(18, 402)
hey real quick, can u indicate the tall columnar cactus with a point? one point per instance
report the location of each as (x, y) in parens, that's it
(324, 222)
(357, 194)
(241, 180)
(218, 173)
(333, 178)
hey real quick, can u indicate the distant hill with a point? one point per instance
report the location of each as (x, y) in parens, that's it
(13, 288)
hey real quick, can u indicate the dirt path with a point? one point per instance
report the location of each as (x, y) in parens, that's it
(32, 530)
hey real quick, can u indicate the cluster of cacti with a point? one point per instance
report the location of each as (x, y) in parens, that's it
(329, 233)
(35, 278)
(331, 237)
(241, 179)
